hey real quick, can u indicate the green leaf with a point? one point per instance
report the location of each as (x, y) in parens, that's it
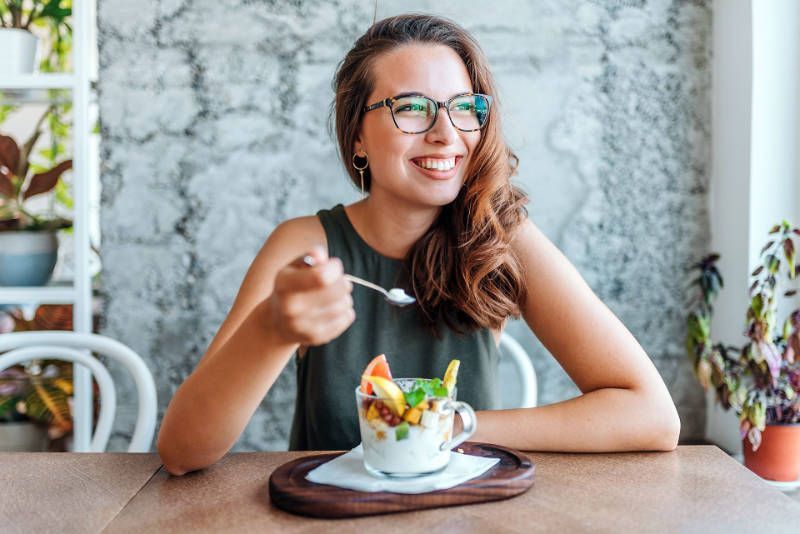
(787, 328)
(414, 396)
(440, 391)
(63, 195)
(757, 304)
(774, 264)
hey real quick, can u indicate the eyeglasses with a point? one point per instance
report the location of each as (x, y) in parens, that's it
(414, 113)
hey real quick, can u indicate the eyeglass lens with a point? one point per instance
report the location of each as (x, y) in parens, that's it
(416, 113)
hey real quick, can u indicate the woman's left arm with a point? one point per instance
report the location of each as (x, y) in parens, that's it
(625, 405)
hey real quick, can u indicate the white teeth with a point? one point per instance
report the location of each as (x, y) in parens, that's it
(437, 164)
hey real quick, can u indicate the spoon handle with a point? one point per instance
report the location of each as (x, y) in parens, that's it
(357, 280)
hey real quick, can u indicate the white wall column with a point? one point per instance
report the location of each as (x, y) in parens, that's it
(755, 181)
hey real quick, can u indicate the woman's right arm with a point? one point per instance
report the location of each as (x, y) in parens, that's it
(282, 304)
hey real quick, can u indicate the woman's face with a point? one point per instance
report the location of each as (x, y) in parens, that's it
(395, 157)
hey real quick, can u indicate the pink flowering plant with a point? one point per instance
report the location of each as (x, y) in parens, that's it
(761, 379)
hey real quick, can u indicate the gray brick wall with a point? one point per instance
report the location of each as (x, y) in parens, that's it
(214, 130)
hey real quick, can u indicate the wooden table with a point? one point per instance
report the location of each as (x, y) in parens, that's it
(694, 489)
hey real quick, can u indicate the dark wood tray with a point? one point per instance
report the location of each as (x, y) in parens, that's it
(290, 491)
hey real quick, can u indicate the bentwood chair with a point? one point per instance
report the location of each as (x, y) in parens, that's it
(19, 347)
(516, 375)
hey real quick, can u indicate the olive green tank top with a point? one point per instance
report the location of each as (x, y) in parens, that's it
(325, 415)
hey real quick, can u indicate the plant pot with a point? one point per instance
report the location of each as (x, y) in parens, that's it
(19, 51)
(21, 437)
(27, 258)
(778, 457)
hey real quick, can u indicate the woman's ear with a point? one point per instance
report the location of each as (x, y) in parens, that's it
(358, 146)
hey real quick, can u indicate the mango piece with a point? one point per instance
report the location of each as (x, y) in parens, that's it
(373, 412)
(413, 416)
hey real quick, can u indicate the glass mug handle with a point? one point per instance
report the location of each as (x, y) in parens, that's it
(469, 419)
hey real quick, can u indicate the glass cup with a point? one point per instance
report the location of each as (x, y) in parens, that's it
(416, 446)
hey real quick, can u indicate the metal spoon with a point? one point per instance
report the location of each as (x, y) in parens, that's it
(394, 296)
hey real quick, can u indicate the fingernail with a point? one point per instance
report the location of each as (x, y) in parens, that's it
(309, 260)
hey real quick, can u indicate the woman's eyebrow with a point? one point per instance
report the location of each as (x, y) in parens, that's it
(409, 93)
(420, 93)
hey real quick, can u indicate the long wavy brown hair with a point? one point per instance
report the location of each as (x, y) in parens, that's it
(463, 271)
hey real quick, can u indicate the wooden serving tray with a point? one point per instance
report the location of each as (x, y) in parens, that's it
(290, 491)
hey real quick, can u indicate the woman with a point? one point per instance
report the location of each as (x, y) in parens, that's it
(416, 118)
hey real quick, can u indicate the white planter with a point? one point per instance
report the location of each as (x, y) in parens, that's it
(27, 258)
(21, 437)
(19, 51)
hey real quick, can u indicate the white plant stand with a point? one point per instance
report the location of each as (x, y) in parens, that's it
(84, 171)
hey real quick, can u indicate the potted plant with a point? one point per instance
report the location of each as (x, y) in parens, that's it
(28, 242)
(760, 380)
(36, 399)
(17, 17)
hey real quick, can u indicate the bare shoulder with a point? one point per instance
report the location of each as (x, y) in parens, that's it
(298, 234)
(289, 240)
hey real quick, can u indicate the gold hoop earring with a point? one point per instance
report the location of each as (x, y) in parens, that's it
(361, 169)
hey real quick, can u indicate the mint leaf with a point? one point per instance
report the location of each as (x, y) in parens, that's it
(440, 391)
(415, 396)
(425, 386)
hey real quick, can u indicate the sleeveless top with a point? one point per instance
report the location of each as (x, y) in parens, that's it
(326, 416)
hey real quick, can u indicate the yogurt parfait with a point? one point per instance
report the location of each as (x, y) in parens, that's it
(407, 423)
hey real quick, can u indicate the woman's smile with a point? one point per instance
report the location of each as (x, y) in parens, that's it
(438, 168)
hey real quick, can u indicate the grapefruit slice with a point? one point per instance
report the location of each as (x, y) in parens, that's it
(377, 367)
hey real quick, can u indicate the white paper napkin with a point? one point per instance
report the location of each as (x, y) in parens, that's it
(347, 471)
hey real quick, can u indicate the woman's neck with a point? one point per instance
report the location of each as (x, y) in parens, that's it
(390, 229)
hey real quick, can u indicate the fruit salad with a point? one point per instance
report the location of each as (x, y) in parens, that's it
(405, 421)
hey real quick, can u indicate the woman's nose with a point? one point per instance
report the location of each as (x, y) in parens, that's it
(443, 130)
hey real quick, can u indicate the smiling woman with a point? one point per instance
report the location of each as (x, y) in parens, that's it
(418, 126)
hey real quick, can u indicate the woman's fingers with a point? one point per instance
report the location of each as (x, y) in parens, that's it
(298, 278)
(311, 300)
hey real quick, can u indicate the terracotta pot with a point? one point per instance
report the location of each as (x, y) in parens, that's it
(778, 457)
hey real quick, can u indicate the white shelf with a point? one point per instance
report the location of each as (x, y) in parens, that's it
(39, 81)
(25, 88)
(37, 295)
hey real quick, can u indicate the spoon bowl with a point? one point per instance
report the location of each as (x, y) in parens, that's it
(394, 296)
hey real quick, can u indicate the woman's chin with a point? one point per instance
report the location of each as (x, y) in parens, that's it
(439, 192)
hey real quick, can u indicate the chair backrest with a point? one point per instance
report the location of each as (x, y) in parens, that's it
(19, 347)
(516, 374)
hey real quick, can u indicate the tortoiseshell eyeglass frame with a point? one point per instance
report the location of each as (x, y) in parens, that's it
(389, 102)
